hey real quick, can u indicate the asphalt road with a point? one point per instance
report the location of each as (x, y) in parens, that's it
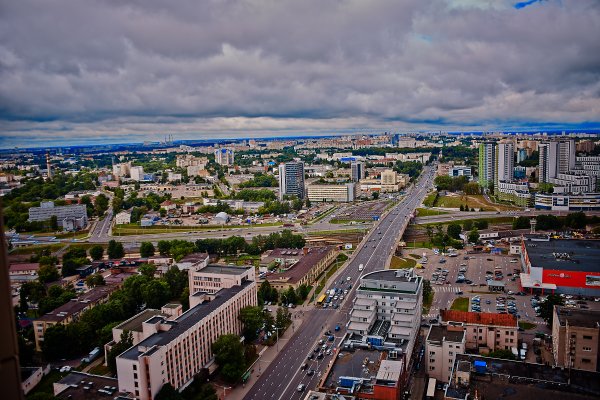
(282, 377)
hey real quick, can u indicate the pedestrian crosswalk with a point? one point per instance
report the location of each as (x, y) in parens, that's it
(450, 289)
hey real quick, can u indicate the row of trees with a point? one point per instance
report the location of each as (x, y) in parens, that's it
(451, 237)
(234, 245)
(457, 183)
(260, 180)
(576, 220)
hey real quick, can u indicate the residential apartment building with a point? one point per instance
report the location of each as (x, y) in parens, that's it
(442, 345)
(573, 183)
(516, 192)
(69, 217)
(137, 173)
(387, 307)
(556, 157)
(291, 179)
(505, 157)
(487, 163)
(311, 262)
(69, 312)
(484, 332)
(331, 192)
(357, 171)
(576, 338)
(224, 156)
(188, 160)
(175, 350)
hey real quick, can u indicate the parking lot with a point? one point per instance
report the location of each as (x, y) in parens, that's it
(468, 275)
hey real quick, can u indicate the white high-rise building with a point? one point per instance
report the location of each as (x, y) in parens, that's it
(224, 156)
(566, 156)
(291, 179)
(548, 161)
(506, 162)
(137, 173)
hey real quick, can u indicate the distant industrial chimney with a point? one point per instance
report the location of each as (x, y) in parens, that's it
(48, 165)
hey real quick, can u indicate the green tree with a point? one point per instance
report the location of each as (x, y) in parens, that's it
(467, 225)
(505, 354)
(427, 290)
(155, 293)
(146, 249)
(229, 355)
(177, 280)
(95, 280)
(375, 195)
(53, 223)
(547, 307)
(474, 236)
(115, 250)
(168, 392)
(283, 318)
(125, 342)
(48, 273)
(303, 291)
(481, 224)
(96, 252)
(453, 230)
(164, 247)
(289, 296)
(253, 319)
(74, 258)
(520, 223)
(101, 204)
(576, 220)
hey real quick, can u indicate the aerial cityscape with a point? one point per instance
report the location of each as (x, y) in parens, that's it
(317, 200)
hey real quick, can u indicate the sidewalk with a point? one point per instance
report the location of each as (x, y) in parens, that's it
(265, 358)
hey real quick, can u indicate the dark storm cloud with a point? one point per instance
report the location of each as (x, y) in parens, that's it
(102, 68)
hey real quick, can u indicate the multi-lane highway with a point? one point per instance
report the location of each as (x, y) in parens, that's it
(281, 379)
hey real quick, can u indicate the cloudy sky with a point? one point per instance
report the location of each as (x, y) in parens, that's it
(120, 71)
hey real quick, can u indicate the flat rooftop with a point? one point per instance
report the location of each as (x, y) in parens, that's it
(518, 380)
(469, 317)
(568, 255)
(224, 270)
(82, 386)
(304, 265)
(135, 323)
(578, 317)
(185, 321)
(438, 333)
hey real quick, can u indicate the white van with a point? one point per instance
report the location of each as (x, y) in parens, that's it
(360, 267)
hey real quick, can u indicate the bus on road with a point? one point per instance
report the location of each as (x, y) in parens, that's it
(321, 299)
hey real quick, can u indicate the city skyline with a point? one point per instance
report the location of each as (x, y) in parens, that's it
(136, 72)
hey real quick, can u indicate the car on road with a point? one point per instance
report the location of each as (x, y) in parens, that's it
(303, 367)
(301, 387)
(310, 372)
(348, 278)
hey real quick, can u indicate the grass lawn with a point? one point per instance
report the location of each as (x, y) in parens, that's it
(471, 201)
(425, 212)
(427, 303)
(415, 256)
(526, 325)
(31, 249)
(460, 304)
(402, 263)
(336, 232)
(429, 199)
(418, 245)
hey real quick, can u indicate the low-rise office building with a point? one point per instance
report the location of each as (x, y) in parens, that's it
(69, 217)
(568, 202)
(69, 312)
(123, 217)
(516, 192)
(562, 266)
(442, 345)
(484, 332)
(212, 278)
(331, 192)
(576, 338)
(175, 350)
(311, 262)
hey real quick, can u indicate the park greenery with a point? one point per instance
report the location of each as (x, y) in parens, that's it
(260, 180)
(577, 220)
